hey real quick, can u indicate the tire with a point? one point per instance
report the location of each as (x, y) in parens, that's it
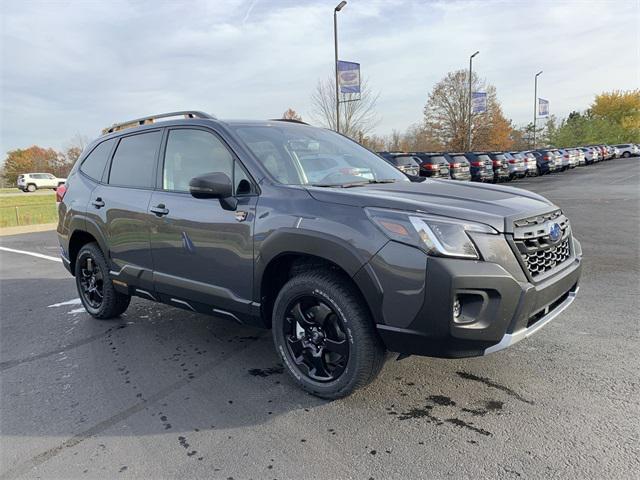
(626, 154)
(31, 187)
(109, 303)
(352, 328)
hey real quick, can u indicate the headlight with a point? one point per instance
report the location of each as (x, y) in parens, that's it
(435, 235)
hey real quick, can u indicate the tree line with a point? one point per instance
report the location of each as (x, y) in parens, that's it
(37, 159)
(613, 117)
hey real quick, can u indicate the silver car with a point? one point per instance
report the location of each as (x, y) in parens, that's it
(628, 150)
(589, 155)
(530, 164)
(560, 162)
(517, 168)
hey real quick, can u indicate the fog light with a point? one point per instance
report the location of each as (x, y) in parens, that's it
(457, 308)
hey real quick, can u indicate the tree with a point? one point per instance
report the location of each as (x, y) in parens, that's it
(621, 107)
(32, 159)
(291, 114)
(446, 115)
(358, 115)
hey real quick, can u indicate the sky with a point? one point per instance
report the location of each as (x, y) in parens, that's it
(74, 67)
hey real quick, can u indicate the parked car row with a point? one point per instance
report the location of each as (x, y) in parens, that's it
(503, 166)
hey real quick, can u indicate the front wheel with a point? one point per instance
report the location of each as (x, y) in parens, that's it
(626, 154)
(325, 335)
(98, 296)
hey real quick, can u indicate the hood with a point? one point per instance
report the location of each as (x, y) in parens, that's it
(492, 205)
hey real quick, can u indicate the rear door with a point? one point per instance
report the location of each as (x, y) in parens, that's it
(119, 207)
(202, 253)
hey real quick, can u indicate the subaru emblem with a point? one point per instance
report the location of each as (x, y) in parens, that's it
(555, 232)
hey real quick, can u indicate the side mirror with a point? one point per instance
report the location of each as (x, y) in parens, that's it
(214, 185)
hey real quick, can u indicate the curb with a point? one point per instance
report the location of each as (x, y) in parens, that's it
(44, 227)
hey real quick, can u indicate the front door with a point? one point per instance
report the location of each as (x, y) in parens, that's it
(202, 253)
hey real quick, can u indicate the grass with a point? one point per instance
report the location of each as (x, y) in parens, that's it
(27, 210)
(27, 200)
(9, 190)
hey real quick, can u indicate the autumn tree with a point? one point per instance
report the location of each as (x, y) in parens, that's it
(358, 115)
(613, 117)
(32, 159)
(291, 114)
(620, 107)
(446, 115)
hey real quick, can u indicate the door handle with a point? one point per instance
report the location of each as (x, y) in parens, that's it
(159, 210)
(98, 203)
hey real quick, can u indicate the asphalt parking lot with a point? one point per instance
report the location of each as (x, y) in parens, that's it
(164, 393)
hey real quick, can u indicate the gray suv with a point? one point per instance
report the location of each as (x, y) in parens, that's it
(285, 226)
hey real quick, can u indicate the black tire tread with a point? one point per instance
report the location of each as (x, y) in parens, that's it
(371, 349)
(114, 303)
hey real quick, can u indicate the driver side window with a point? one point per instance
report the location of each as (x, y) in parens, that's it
(191, 153)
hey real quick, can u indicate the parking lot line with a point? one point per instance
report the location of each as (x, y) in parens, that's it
(33, 254)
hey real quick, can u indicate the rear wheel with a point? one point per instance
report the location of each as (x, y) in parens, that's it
(324, 334)
(31, 187)
(95, 288)
(626, 154)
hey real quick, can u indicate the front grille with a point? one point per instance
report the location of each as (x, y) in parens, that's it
(542, 261)
(538, 252)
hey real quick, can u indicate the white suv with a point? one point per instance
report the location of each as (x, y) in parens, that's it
(30, 182)
(627, 150)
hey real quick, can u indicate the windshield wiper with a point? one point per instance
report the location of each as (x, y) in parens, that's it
(353, 184)
(384, 180)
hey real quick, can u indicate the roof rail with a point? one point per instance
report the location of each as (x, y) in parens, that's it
(148, 120)
(290, 120)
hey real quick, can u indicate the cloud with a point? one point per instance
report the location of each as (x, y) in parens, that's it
(72, 67)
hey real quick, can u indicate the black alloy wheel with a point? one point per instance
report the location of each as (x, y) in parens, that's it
(95, 287)
(316, 338)
(91, 282)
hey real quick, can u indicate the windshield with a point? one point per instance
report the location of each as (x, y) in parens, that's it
(303, 155)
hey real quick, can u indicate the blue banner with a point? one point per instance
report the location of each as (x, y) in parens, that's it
(543, 107)
(349, 77)
(478, 102)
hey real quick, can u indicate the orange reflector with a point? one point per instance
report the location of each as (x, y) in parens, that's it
(393, 227)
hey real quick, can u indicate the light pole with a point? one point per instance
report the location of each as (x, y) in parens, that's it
(339, 7)
(470, 72)
(535, 107)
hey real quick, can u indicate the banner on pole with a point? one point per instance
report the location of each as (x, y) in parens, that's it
(543, 107)
(349, 77)
(478, 102)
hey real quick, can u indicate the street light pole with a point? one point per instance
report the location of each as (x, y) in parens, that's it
(535, 107)
(339, 7)
(470, 76)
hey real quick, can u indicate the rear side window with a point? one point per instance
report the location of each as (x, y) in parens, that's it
(133, 164)
(93, 165)
(405, 160)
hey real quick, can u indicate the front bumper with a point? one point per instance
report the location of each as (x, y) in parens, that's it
(500, 304)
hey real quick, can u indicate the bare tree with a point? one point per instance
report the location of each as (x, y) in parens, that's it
(291, 114)
(358, 115)
(446, 114)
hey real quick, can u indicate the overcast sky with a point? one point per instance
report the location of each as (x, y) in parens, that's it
(75, 67)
